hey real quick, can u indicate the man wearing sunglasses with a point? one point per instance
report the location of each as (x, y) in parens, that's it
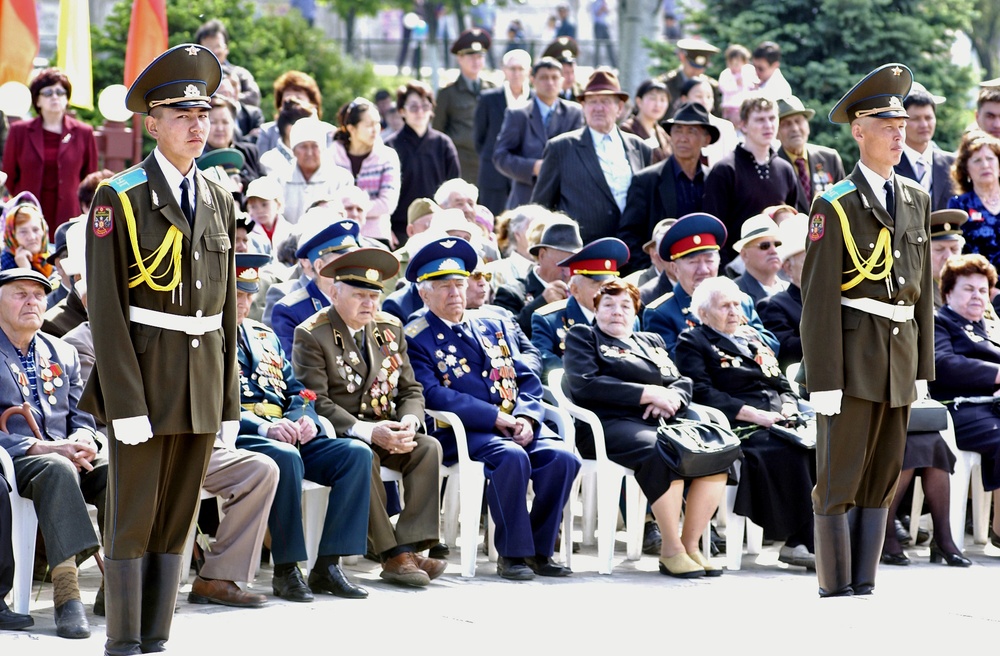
(758, 247)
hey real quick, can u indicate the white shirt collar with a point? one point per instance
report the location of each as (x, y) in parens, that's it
(174, 177)
(876, 181)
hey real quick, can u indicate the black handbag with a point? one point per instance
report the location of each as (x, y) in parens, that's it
(693, 448)
(796, 430)
(927, 416)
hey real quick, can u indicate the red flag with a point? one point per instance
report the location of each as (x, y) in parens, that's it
(147, 36)
(18, 40)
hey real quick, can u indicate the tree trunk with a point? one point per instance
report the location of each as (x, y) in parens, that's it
(349, 25)
(637, 20)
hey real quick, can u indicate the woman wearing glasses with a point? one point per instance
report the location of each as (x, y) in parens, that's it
(426, 157)
(50, 155)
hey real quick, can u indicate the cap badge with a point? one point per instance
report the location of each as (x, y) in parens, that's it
(371, 274)
(449, 265)
(696, 239)
(192, 50)
(897, 70)
(607, 264)
(190, 90)
(346, 225)
(448, 244)
(476, 46)
(895, 102)
(946, 227)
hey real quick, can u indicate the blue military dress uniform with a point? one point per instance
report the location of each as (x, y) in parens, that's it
(295, 308)
(268, 391)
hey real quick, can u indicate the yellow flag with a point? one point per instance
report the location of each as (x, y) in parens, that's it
(74, 50)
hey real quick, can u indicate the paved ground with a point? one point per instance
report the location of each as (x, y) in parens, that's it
(920, 609)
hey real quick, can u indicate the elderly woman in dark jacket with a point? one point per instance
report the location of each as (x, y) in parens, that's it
(628, 380)
(967, 363)
(733, 370)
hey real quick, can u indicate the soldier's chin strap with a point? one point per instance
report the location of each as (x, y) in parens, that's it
(865, 268)
(171, 246)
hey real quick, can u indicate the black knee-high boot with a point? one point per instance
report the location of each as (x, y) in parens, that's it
(833, 555)
(866, 546)
(161, 578)
(123, 601)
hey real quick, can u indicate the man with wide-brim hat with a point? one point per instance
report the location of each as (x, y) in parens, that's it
(946, 240)
(355, 359)
(691, 250)
(455, 111)
(162, 299)
(586, 173)
(817, 168)
(546, 282)
(867, 331)
(695, 56)
(467, 363)
(759, 247)
(671, 188)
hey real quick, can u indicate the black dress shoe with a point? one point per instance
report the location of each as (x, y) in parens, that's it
(291, 586)
(11, 621)
(545, 566)
(950, 559)
(994, 538)
(514, 569)
(895, 559)
(439, 551)
(902, 535)
(71, 620)
(332, 580)
(651, 539)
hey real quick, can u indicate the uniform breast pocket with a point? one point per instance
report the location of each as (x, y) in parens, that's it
(916, 247)
(217, 249)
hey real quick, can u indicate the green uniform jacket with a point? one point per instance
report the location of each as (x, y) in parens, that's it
(867, 356)
(455, 115)
(183, 383)
(326, 360)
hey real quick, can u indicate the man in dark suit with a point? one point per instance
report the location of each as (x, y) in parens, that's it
(493, 103)
(586, 173)
(60, 469)
(866, 335)
(465, 363)
(671, 189)
(817, 168)
(922, 160)
(525, 131)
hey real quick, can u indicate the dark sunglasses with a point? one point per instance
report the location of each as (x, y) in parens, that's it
(59, 91)
(766, 245)
(481, 275)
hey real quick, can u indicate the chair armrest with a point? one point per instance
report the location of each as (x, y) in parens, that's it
(7, 467)
(564, 423)
(453, 421)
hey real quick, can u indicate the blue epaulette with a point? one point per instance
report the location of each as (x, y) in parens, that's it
(128, 179)
(842, 188)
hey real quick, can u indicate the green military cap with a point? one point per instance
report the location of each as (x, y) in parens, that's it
(564, 50)
(367, 268)
(946, 225)
(879, 94)
(471, 41)
(230, 159)
(698, 51)
(184, 76)
(791, 106)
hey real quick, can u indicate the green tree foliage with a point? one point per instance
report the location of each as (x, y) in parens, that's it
(266, 45)
(985, 36)
(829, 45)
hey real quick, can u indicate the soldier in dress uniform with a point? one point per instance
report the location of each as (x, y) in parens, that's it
(324, 239)
(595, 263)
(162, 304)
(355, 358)
(867, 331)
(279, 420)
(464, 362)
(695, 55)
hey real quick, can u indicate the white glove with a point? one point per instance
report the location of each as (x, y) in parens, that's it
(228, 433)
(132, 430)
(921, 389)
(827, 402)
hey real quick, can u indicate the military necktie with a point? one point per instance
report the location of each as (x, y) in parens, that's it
(890, 199)
(804, 180)
(463, 334)
(186, 202)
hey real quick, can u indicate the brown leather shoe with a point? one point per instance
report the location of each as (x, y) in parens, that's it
(403, 569)
(432, 566)
(224, 593)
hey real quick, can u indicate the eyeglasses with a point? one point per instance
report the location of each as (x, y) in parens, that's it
(482, 275)
(766, 245)
(415, 107)
(54, 91)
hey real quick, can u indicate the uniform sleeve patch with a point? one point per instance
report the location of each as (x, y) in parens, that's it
(817, 226)
(103, 221)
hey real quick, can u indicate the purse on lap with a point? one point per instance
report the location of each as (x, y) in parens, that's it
(694, 449)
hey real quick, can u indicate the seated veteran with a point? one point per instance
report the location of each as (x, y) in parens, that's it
(691, 250)
(967, 363)
(546, 282)
(354, 357)
(270, 274)
(56, 461)
(655, 281)
(733, 370)
(279, 420)
(627, 378)
(9, 620)
(593, 265)
(464, 362)
(946, 240)
(325, 237)
(479, 296)
(782, 312)
(759, 248)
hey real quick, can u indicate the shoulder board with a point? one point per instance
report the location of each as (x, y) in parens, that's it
(125, 181)
(257, 325)
(318, 319)
(554, 306)
(652, 305)
(911, 184)
(416, 327)
(297, 296)
(842, 188)
(385, 317)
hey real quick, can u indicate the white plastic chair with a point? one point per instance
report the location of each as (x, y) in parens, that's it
(463, 497)
(24, 527)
